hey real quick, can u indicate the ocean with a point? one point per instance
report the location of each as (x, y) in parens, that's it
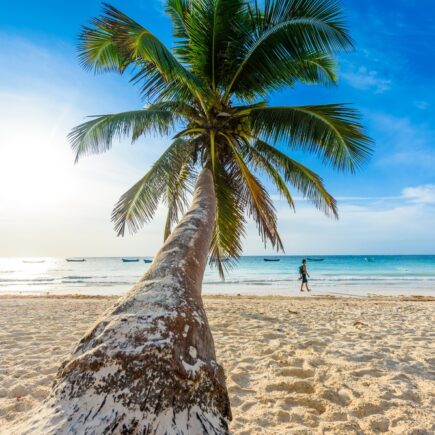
(336, 275)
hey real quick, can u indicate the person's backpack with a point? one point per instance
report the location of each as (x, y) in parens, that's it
(301, 270)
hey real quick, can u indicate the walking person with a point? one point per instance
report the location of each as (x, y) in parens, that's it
(304, 275)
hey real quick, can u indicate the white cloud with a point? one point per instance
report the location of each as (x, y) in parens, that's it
(366, 79)
(368, 229)
(420, 194)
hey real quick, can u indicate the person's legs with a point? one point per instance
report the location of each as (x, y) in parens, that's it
(306, 285)
(304, 281)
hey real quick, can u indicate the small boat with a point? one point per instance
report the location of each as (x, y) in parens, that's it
(75, 260)
(130, 260)
(147, 261)
(315, 259)
(33, 261)
(271, 259)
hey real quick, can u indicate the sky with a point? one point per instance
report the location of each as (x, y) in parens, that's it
(51, 207)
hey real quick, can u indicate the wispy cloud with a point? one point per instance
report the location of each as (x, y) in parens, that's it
(365, 79)
(375, 227)
(420, 194)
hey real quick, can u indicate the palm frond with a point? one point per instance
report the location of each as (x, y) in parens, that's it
(179, 186)
(178, 108)
(303, 179)
(288, 29)
(331, 131)
(98, 50)
(96, 136)
(139, 204)
(154, 86)
(259, 161)
(229, 225)
(179, 11)
(258, 202)
(213, 27)
(269, 76)
(138, 46)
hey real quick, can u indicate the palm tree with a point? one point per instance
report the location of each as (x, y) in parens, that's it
(149, 365)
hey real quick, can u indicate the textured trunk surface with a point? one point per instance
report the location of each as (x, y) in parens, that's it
(148, 365)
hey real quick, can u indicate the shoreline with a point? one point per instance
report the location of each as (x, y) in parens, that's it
(339, 276)
(310, 296)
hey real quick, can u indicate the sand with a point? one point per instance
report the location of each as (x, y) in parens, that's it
(293, 365)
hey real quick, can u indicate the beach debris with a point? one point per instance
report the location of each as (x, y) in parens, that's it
(359, 324)
(293, 312)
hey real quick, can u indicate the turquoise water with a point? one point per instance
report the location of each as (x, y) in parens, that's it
(347, 275)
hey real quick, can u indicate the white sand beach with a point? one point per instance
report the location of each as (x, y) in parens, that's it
(293, 365)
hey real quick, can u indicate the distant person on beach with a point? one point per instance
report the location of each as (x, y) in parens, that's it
(304, 275)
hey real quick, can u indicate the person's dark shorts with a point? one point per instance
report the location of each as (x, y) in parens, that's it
(304, 278)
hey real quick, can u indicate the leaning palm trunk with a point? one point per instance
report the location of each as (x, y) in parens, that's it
(149, 365)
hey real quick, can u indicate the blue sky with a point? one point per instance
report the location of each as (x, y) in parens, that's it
(52, 207)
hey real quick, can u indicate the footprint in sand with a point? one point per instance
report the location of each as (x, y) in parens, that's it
(366, 409)
(248, 404)
(241, 378)
(368, 372)
(335, 397)
(379, 424)
(292, 387)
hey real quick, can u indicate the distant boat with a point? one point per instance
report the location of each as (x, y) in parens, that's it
(271, 259)
(370, 260)
(75, 260)
(315, 259)
(147, 261)
(130, 260)
(33, 261)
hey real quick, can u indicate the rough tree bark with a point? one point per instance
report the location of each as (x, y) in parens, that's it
(148, 365)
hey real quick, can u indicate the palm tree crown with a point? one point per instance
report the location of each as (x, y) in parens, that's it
(211, 88)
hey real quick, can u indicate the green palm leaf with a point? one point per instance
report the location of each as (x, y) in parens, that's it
(139, 204)
(258, 202)
(229, 225)
(98, 50)
(96, 136)
(213, 29)
(332, 131)
(262, 162)
(273, 75)
(303, 179)
(288, 29)
(138, 46)
(179, 184)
